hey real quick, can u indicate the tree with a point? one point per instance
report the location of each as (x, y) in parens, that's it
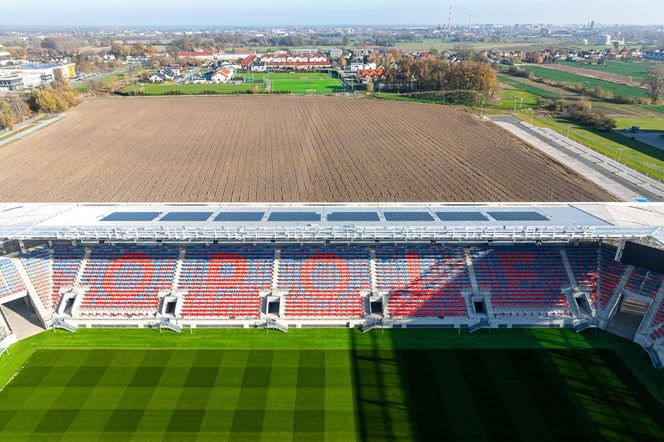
(655, 83)
(43, 100)
(6, 117)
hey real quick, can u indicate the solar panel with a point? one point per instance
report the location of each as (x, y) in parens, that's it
(239, 216)
(408, 216)
(353, 216)
(461, 216)
(131, 216)
(518, 216)
(294, 216)
(186, 216)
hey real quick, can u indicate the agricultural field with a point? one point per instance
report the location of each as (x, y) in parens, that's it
(280, 148)
(198, 89)
(539, 89)
(336, 385)
(298, 82)
(590, 83)
(636, 70)
(441, 45)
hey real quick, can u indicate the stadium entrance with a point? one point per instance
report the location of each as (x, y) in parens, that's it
(20, 317)
(629, 315)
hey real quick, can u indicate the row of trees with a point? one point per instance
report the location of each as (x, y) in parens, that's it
(426, 74)
(13, 109)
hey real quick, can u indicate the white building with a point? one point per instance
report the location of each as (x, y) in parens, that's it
(354, 67)
(33, 75)
(223, 75)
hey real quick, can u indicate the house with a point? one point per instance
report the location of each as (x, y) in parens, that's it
(282, 61)
(367, 75)
(198, 55)
(357, 66)
(157, 78)
(247, 61)
(176, 69)
(222, 75)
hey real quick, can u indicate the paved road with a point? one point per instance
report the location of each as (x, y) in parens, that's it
(617, 178)
(35, 128)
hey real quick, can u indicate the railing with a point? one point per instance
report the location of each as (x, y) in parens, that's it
(482, 323)
(654, 357)
(61, 324)
(276, 325)
(317, 232)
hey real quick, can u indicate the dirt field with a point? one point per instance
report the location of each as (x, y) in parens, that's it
(279, 148)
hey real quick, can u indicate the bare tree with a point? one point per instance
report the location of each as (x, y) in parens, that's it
(655, 83)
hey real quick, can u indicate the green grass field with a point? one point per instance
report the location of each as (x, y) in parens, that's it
(655, 108)
(299, 82)
(636, 70)
(589, 83)
(516, 99)
(640, 156)
(338, 385)
(530, 86)
(643, 123)
(198, 89)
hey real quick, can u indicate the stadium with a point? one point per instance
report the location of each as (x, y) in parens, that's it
(525, 309)
(429, 275)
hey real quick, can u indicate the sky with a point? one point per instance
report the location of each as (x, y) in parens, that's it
(317, 12)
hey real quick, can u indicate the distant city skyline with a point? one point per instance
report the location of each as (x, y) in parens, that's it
(340, 12)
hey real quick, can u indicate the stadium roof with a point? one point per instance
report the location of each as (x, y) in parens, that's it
(254, 222)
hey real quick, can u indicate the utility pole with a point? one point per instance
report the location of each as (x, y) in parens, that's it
(449, 21)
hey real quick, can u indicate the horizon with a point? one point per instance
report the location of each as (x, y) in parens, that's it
(198, 13)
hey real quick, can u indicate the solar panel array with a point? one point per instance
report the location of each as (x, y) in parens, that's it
(518, 216)
(186, 216)
(337, 216)
(131, 216)
(408, 216)
(294, 216)
(461, 216)
(239, 216)
(353, 216)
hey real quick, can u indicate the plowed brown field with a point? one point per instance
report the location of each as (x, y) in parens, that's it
(279, 148)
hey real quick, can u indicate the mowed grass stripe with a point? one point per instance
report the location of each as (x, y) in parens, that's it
(609, 399)
(250, 408)
(546, 395)
(279, 415)
(432, 421)
(310, 395)
(459, 402)
(188, 415)
(498, 422)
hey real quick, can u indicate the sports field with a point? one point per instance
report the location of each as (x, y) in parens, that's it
(198, 89)
(590, 83)
(298, 82)
(337, 384)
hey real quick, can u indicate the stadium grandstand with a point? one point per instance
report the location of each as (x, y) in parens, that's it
(495, 265)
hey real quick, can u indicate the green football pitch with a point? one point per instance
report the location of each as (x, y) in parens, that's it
(329, 385)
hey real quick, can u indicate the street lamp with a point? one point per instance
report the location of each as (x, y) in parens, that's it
(620, 156)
